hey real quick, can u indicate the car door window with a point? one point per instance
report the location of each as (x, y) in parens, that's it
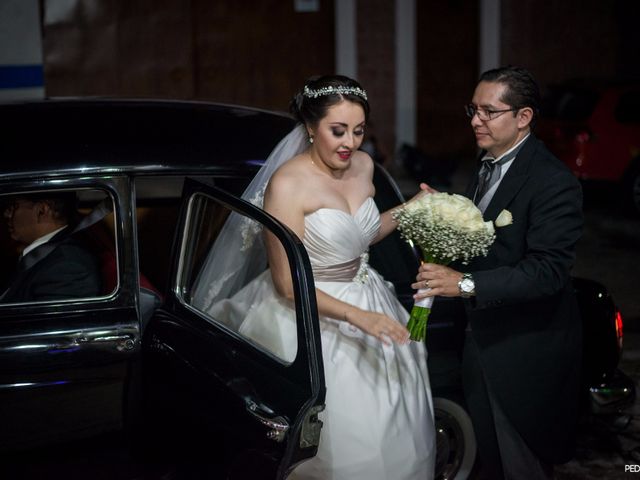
(158, 202)
(58, 245)
(244, 302)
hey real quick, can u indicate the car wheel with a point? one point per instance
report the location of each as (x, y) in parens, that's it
(455, 441)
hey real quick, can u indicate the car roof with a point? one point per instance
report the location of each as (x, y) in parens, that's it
(62, 136)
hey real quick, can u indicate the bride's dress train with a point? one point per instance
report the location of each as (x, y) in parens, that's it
(378, 422)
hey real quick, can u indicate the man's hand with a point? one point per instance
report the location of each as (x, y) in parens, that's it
(425, 187)
(438, 279)
(424, 190)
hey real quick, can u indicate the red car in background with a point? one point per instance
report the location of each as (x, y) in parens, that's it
(595, 130)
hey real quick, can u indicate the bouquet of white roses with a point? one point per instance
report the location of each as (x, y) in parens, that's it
(446, 227)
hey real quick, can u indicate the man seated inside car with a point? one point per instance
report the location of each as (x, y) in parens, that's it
(54, 264)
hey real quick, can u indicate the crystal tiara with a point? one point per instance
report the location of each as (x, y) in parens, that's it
(307, 92)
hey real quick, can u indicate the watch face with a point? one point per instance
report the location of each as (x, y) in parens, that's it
(467, 285)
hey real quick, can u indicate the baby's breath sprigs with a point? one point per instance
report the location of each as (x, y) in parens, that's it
(446, 227)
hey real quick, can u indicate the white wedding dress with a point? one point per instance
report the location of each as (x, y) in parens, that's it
(378, 421)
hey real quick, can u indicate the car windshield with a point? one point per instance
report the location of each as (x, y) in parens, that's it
(564, 103)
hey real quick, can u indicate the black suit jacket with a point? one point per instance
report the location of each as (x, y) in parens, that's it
(524, 316)
(70, 270)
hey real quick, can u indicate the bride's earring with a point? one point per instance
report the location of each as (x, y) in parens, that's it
(310, 139)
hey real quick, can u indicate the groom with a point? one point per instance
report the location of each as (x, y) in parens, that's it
(522, 352)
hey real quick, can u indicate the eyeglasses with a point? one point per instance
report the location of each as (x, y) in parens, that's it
(485, 115)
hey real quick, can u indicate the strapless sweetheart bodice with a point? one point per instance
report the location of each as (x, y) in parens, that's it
(335, 237)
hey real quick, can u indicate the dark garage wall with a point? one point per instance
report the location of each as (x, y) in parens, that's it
(257, 52)
(447, 69)
(561, 40)
(249, 52)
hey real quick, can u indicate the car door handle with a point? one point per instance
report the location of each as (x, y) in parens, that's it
(122, 342)
(277, 425)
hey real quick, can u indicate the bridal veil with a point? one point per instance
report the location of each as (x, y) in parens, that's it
(238, 254)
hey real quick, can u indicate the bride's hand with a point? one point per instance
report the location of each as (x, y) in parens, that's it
(379, 325)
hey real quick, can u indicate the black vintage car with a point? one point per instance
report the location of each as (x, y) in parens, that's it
(138, 378)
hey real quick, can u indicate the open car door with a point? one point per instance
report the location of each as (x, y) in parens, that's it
(220, 404)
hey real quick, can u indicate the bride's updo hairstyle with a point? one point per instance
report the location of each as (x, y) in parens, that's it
(310, 105)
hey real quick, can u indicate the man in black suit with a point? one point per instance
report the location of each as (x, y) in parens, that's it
(522, 352)
(54, 264)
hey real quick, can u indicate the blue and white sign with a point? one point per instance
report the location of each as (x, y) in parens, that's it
(21, 72)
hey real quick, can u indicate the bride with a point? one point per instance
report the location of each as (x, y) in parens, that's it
(378, 422)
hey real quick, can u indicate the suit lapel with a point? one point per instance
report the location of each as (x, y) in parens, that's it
(473, 182)
(513, 180)
(27, 261)
(41, 251)
(507, 189)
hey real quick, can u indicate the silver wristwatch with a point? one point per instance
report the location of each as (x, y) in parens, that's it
(466, 286)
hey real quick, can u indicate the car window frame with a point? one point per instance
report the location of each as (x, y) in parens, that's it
(284, 234)
(114, 187)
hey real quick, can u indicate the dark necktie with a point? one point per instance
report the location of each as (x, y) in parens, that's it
(489, 173)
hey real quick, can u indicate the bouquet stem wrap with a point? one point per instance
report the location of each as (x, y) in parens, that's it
(421, 309)
(417, 324)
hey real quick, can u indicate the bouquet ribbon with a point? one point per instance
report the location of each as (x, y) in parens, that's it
(417, 324)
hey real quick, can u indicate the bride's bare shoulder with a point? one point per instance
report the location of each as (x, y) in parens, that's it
(289, 175)
(292, 169)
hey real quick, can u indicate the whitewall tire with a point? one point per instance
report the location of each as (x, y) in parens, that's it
(455, 440)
